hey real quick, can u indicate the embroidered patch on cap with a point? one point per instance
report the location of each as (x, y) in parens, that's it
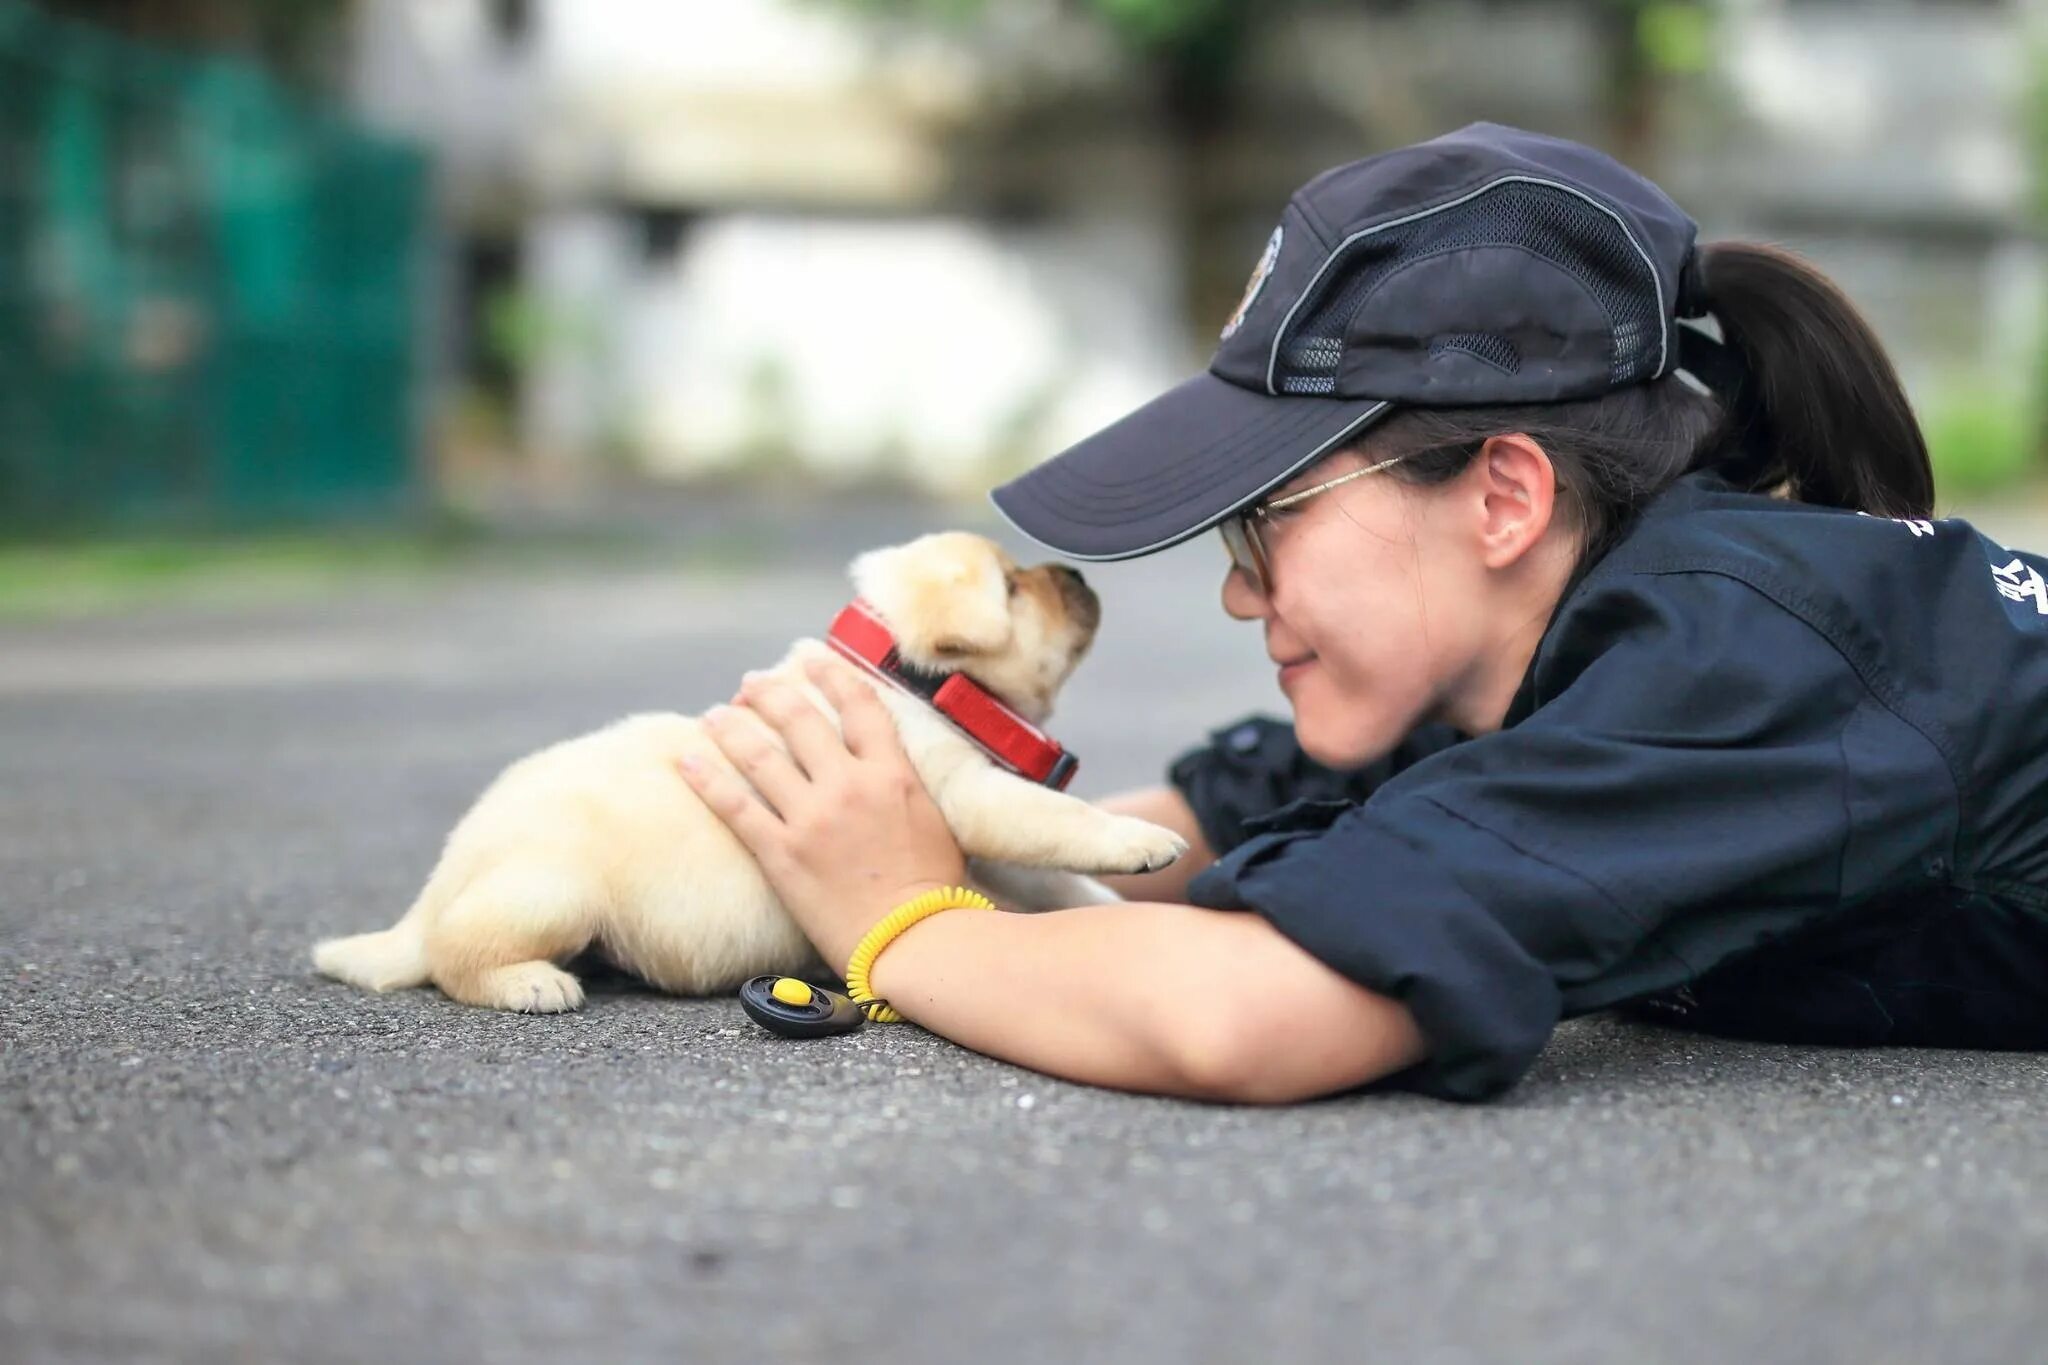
(1256, 283)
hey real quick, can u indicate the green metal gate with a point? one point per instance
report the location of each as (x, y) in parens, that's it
(208, 302)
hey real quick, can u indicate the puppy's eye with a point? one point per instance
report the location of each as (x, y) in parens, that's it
(1011, 579)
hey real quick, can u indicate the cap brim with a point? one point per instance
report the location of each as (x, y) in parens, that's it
(1175, 467)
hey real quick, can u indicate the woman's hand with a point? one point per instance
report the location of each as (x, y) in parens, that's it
(847, 831)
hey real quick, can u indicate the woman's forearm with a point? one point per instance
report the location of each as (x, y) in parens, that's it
(1163, 999)
(1098, 994)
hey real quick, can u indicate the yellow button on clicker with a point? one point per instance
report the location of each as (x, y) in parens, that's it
(791, 991)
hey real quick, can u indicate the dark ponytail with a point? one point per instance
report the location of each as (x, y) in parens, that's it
(1818, 412)
(1821, 408)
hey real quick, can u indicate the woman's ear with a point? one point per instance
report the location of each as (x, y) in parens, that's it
(1517, 491)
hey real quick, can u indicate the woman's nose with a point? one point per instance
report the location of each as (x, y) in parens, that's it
(1242, 599)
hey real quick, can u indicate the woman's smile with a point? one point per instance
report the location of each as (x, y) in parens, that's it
(1294, 668)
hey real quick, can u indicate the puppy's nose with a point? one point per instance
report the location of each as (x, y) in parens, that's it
(1083, 608)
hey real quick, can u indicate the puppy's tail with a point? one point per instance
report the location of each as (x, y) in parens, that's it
(387, 960)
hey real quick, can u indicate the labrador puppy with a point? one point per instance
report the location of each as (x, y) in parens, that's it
(597, 843)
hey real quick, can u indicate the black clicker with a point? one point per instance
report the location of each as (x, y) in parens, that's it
(797, 1009)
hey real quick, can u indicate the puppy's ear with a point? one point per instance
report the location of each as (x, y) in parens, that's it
(957, 618)
(871, 570)
(944, 597)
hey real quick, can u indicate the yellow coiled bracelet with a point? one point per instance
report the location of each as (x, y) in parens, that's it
(894, 923)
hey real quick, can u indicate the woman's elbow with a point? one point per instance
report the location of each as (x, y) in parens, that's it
(1234, 1061)
(1225, 1076)
(1276, 1051)
(1276, 1025)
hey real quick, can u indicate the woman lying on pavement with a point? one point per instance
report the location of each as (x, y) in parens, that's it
(1627, 669)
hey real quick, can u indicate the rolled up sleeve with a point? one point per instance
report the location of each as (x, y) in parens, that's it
(1485, 1001)
(1254, 766)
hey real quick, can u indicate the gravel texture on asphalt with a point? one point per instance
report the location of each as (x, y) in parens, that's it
(212, 1154)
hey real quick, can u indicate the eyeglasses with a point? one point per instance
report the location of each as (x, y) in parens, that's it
(1247, 547)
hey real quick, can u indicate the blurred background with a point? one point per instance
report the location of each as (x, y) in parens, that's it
(391, 387)
(423, 264)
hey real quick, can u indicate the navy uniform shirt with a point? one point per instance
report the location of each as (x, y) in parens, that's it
(1775, 771)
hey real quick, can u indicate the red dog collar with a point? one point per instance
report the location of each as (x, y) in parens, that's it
(1008, 738)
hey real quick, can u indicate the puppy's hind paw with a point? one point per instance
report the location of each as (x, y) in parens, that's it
(1135, 845)
(532, 988)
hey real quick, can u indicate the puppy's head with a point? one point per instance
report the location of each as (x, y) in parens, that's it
(957, 604)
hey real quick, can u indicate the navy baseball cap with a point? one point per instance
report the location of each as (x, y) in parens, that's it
(1489, 265)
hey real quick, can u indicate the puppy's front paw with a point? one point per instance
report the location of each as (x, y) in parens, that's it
(1134, 845)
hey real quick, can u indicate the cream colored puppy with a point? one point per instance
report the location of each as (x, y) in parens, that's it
(598, 843)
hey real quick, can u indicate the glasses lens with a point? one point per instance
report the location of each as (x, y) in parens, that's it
(1238, 538)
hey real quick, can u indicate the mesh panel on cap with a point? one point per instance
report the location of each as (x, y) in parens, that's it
(1496, 351)
(1552, 223)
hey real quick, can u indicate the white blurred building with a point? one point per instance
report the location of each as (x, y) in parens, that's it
(763, 228)
(749, 228)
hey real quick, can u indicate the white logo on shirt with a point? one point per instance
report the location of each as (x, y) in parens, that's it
(1918, 528)
(2019, 581)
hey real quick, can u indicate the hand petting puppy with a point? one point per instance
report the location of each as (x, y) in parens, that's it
(842, 828)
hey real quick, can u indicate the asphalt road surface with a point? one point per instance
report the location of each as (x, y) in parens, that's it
(208, 1153)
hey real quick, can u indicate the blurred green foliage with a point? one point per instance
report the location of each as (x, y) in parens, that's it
(1160, 22)
(1139, 23)
(91, 574)
(2035, 115)
(1676, 36)
(1981, 435)
(83, 576)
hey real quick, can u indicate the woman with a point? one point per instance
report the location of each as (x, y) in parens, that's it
(1603, 694)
